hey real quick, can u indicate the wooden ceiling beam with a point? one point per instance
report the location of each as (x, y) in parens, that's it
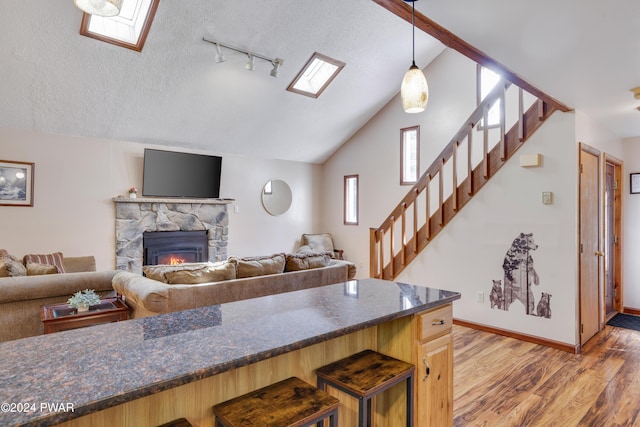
(401, 9)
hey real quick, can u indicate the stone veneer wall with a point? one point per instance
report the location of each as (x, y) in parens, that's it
(135, 216)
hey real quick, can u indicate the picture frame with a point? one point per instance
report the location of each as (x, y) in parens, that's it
(634, 183)
(16, 183)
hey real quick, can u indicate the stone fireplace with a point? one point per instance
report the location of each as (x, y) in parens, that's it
(134, 217)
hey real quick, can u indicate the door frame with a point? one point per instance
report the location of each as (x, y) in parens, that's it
(618, 302)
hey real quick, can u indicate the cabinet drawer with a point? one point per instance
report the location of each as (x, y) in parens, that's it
(435, 323)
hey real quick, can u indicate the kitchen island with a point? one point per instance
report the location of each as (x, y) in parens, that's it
(152, 370)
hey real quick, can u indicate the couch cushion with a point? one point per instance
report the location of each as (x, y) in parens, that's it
(258, 266)
(209, 272)
(305, 261)
(11, 266)
(55, 258)
(159, 272)
(37, 269)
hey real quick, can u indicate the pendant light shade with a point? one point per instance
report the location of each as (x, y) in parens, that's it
(414, 90)
(99, 7)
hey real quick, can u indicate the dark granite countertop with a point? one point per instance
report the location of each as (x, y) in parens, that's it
(95, 368)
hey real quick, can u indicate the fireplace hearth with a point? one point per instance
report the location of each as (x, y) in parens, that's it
(174, 247)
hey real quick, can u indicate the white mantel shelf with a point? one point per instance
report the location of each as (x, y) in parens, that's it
(121, 199)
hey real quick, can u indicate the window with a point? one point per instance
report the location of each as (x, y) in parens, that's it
(486, 81)
(409, 155)
(316, 75)
(128, 29)
(351, 200)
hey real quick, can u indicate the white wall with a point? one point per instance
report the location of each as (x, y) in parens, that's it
(469, 253)
(631, 273)
(76, 179)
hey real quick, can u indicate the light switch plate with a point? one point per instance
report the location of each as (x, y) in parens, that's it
(547, 197)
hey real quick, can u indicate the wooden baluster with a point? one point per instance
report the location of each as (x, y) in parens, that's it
(469, 160)
(485, 142)
(441, 193)
(415, 221)
(428, 208)
(503, 119)
(454, 169)
(381, 254)
(403, 255)
(373, 245)
(392, 247)
(520, 114)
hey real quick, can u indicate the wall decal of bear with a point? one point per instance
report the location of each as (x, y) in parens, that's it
(519, 276)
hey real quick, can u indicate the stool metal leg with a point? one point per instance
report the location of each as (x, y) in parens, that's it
(363, 412)
(410, 401)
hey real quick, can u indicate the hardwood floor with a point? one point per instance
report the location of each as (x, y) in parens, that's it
(500, 381)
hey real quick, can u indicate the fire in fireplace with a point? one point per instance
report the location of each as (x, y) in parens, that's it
(174, 247)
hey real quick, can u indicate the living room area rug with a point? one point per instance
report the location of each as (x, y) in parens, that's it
(627, 321)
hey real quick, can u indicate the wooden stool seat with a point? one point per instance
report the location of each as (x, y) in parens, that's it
(181, 422)
(366, 374)
(288, 403)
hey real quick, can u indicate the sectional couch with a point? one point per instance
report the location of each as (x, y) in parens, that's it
(174, 288)
(22, 295)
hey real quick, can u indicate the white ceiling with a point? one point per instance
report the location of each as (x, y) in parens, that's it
(173, 93)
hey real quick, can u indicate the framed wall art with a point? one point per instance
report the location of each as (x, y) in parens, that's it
(16, 183)
(634, 183)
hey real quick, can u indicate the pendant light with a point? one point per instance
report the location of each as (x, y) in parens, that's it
(99, 7)
(414, 90)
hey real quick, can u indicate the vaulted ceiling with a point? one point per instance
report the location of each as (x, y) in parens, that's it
(174, 93)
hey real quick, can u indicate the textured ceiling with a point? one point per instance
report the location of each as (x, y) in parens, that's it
(54, 80)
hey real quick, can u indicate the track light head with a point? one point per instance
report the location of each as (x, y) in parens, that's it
(251, 63)
(219, 55)
(277, 63)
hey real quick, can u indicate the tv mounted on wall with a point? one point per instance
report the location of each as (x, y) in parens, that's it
(175, 174)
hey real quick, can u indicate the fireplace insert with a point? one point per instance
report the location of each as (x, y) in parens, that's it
(174, 247)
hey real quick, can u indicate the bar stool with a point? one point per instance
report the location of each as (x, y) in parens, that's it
(288, 403)
(180, 422)
(366, 374)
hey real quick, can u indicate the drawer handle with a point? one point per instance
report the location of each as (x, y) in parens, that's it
(438, 322)
(427, 369)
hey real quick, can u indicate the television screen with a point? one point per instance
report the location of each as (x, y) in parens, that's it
(174, 174)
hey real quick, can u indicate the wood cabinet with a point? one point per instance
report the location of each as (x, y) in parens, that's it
(434, 368)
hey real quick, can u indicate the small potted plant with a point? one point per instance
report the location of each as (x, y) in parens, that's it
(133, 192)
(81, 300)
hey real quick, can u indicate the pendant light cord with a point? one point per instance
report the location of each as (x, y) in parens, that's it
(413, 25)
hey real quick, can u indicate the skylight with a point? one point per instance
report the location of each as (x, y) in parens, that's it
(316, 75)
(129, 29)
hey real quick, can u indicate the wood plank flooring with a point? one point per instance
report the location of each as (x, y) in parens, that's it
(500, 381)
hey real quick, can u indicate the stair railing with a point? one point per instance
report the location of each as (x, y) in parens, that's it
(428, 207)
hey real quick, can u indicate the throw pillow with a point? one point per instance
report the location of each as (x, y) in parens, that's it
(55, 258)
(4, 269)
(210, 272)
(13, 267)
(258, 266)
(318, 242)
(305, 261)
(37, 269)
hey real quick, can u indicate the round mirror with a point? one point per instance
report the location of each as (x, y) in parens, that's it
(276, 197)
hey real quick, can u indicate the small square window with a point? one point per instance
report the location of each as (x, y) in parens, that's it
(316, 75)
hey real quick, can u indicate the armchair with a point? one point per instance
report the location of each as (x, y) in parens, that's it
(320, 243)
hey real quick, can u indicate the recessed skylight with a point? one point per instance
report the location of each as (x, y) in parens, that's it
(128, 29)
(316, 75)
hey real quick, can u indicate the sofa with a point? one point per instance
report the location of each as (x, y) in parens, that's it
(22, 295)
(165, 289)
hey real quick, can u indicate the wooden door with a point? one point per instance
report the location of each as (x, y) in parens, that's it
(589, 272)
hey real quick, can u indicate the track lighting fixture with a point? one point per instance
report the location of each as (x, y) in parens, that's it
(219, 55)
(276, 62)
(251, 63)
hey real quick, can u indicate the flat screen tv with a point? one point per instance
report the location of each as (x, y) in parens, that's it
(175, 174)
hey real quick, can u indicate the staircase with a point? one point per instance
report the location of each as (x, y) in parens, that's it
(464, 166)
